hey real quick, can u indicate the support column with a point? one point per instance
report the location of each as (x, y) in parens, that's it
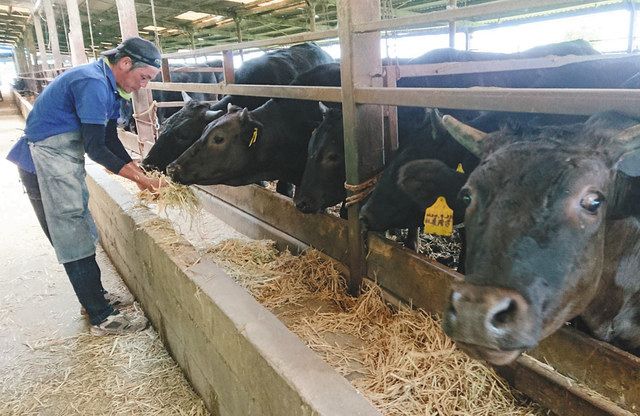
(142, 98)
(311, 10)
(76, 41)
(363, 139)
(30, 51)
(53, 34)
(453, 4)
(41, 46)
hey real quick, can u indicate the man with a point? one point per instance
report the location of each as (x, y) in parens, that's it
(75, 114)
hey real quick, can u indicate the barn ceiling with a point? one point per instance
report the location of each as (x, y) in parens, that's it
(212, 22)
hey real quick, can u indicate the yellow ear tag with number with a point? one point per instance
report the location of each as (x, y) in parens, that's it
(438, 218)
(254, 137)
(459, 168)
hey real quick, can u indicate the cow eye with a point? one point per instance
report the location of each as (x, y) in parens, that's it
(465, 197)
(218, 139)
(592, 201)
(332, 157)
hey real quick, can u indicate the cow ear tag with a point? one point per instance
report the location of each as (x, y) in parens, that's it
(438, 218)
(254, 136)
(459, 168)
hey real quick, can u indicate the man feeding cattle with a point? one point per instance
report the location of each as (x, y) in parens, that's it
(75, 114)
(552, 233)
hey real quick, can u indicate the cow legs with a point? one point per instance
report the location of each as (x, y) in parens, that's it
(413, 239)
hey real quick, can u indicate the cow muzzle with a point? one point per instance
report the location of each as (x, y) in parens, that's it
(174, 171)
(306, 205)
(490, 323)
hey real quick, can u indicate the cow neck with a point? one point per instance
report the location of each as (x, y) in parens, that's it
(281, 147)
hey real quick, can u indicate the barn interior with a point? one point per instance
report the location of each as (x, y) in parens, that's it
(222, 341)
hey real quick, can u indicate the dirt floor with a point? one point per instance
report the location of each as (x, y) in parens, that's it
(49, 364)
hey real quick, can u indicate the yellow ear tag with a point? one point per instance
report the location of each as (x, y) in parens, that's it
(459, 168)
(254, 137)
(438, 218)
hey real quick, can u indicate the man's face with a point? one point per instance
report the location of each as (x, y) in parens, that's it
(134, 79)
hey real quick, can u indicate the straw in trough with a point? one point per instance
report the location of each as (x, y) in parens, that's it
(173, 195)
(397, 357)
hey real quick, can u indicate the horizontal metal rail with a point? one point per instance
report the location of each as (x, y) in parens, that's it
(331, 94)
(283, 40)
(445, 16)
(526, 100)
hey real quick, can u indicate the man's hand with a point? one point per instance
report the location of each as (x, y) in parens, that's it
(132, 171)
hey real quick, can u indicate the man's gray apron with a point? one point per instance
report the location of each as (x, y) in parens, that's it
(59, 162)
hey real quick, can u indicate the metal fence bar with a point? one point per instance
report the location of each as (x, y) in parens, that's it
(283, 40)
(525, 100)
(445, 16)
(331, 94)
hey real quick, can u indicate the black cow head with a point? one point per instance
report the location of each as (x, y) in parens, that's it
(324, 174)
(177, 133)
(227, 149)
(538, 207)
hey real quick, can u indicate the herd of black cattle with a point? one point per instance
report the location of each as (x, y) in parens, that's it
(551, 204)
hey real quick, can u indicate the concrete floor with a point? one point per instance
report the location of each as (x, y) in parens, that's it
(36, 299)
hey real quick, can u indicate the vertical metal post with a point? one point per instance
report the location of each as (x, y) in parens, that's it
(227, 67)
(155, 24)
(76, 41)
(311, 10)
(632, 24)
(166, 74)
(30, 55)
(53, 33)
(238, 21)
(44, 66)
(452, 25)
(93, 46)
(141, 100)
(364, 148)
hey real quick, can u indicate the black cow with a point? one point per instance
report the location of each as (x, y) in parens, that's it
(553, 232)
(245, 146)
(274, 68)
(322, 184)
(126, 109)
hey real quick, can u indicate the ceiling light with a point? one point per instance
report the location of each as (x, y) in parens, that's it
(191, 16)
(154, 28)
(269, 3)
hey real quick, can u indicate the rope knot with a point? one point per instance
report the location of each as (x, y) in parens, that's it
(361, 190)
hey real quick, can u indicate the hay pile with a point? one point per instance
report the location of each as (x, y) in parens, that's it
(173, 195)
(88, 375)
(399, 358)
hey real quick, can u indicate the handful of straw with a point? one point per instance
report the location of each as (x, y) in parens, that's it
(172, 195)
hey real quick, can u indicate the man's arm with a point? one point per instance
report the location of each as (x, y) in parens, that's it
(96, 148)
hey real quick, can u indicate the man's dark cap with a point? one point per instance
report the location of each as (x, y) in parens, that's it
(139, 50)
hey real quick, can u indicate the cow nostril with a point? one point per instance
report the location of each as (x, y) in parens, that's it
(173, 170)
(504, 313)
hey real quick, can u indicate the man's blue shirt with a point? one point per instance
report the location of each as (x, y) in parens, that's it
(86, 94)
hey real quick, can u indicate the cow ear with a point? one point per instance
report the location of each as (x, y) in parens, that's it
(185, 97)
(232, 108)
(623, 201)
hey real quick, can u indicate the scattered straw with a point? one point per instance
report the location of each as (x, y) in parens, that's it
(399, 358)
(88, 375)
(173, 195)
